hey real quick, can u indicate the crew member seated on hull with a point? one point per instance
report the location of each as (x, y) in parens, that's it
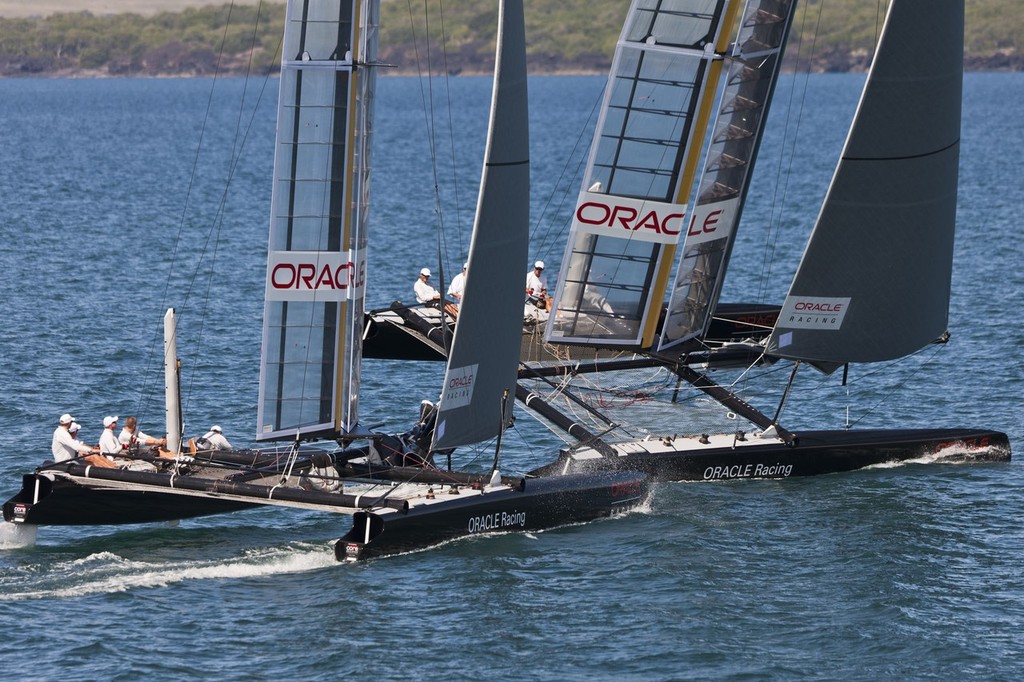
(211, 440)
(66, 446)
(457, 288)
(429, 296)
(134, 440)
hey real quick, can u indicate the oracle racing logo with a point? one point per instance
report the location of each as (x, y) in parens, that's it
(459, 387)
(813, 312)
(315, 275)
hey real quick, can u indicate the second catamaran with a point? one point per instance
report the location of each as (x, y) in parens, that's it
(851, 300)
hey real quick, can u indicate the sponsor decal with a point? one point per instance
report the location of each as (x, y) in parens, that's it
(725, 473)
(627, 218)
(813, 312)
(496, 521)
(458, 387)
(969, 444)
(315, 275)
(630, 488)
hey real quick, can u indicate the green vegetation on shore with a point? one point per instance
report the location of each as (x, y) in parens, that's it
(564, 36)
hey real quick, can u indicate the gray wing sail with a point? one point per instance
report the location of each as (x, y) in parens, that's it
(874, 280)
(479, 383)
(316, 261)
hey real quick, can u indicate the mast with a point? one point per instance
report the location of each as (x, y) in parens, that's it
(631, 211)
(316, 270)
(480, 378)
(172, 384)
(874, 280)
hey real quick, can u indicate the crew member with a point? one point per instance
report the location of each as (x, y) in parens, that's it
(109, 444)
(425, 293)
(130, 435)
(66, 447)
(458, 286)
(213, 440)
(537, 285)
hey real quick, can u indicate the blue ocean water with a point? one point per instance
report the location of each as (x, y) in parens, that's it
(114, 207)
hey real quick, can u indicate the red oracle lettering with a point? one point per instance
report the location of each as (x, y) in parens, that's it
(664, 223)
(651, 222)
(622, 215)
(970, 443)
(709, 226)
(305, 276)
(594, 213)
(282, 269)
(584, 211)
(459, 382)
(325, 280)
(627, 488)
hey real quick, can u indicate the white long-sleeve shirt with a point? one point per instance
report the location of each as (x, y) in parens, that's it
(65, 447)
(458, 286)
(424, 292)
(126, 437)
(109, 444)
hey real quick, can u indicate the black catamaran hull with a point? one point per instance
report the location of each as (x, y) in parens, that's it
(541, 503)
(813, 453)
(402, 334)
(383, 526)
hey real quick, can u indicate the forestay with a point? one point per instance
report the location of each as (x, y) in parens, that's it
(316, 271)
(479, 383)
(874, 280)
(631, 212)
(753, 71)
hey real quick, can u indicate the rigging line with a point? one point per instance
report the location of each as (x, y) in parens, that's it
(895, 387)
(879, 19)
(545, 243)
(238, 147)
(427, 100)
(451, 133)
(158, 334)
(501, 430)
(774, 230)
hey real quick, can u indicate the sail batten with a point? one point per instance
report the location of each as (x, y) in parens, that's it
(479, 384)
(316, 266)
(874, 280)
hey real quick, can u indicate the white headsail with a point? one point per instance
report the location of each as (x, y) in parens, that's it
(874, 280)
(316, 270)
(479, 383)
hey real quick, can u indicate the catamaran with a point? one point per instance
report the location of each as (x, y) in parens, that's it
(312, 331)
(670, 165)
(851, 301)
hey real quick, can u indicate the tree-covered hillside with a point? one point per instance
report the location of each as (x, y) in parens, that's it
(564, 36)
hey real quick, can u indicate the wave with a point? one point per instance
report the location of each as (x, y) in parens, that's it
(107, 572)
